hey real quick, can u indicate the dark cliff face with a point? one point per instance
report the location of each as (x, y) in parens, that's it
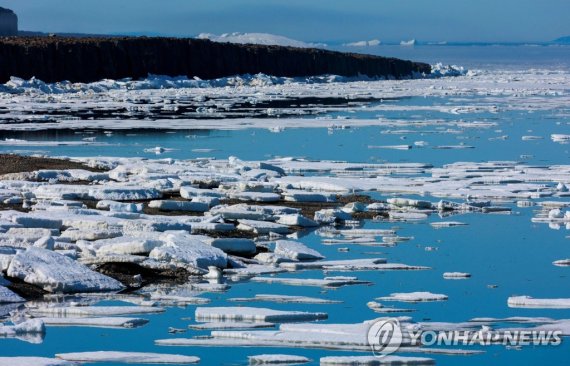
(90, 59)
(8, 22)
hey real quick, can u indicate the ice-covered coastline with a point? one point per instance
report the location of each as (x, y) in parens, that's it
(19, 86)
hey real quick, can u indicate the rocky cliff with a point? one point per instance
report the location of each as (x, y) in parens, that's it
(89, 59)
(8, 22)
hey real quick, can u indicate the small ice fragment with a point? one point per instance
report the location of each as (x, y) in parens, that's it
(456, 275)
(276, 359)
(413, 297)
(254, 314)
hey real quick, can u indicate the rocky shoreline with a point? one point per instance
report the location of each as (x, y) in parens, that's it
(53, 59)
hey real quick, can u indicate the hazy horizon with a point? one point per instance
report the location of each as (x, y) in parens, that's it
(319, 21)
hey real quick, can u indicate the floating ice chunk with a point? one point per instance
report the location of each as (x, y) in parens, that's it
(171, 205)
(74, 235)
(375, 360)
(296, 220)
(31, 326)
(234, 245)
(125, 207)
(99, 322)
(530, 302)
(7, 296)
(262, 227)
(306, 196)
(514, 319)
(414, 297)
(352, 264)
(230, 325)
(335, 281)
(296, 251)
(34, 361)
(189, 192)
(379, 308)
(560, 138)
(330, 216)
(562, 262)
(126, 245)
(45, 242)
(124, 193)
(456, 275)
(276, 359)
(561, 187)
(362, 232)
(391, 147)
(35, 221)
(256, 196)
(442, 224)
(531, 138)
(271, 258)
(127, 357)
(555, 214)
(89, 311)
(254, 314)
(54, 273)
(253, 270)
(407, 216)
(406, 202)
(188, 249)
(285, 299)
(214, 273)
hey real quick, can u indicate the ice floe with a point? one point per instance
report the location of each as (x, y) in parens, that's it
(284, 299)
(281, 359)
(98, 322)
(414, 297)
(34, 361)
(375, 361)
(127, 357)
(530, 302)
(54, 272)
(254, 314)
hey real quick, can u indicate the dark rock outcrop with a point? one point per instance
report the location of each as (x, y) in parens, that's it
(8, 23)
(90, 59)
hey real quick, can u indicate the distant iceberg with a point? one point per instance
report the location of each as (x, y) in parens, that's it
(371, 43)
(411, 42)
(259, 38)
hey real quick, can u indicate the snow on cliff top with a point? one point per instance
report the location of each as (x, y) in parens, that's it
(259, 38)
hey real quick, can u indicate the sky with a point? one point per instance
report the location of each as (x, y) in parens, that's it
(306, 20)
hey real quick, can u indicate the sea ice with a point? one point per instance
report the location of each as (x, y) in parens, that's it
(254, 314)
(272, 359)
(530, 302)
(296, 251)
(413, 297)
(54, 273)
(127, 357)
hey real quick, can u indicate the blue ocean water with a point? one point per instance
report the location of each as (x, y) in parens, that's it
(508, 251)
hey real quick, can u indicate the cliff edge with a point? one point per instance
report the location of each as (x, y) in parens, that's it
(8, 22)
(54, 59)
